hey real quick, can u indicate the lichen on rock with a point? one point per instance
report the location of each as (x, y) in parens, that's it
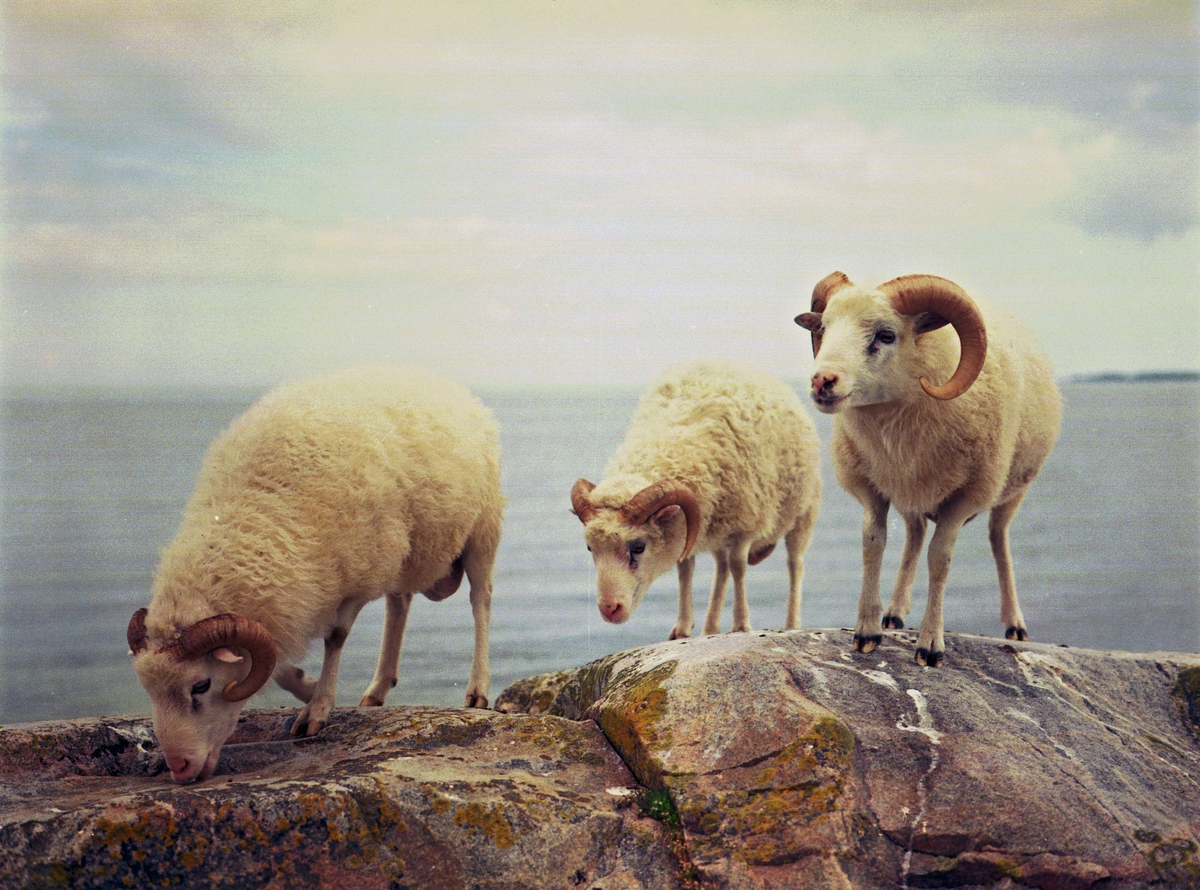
(1187, 692)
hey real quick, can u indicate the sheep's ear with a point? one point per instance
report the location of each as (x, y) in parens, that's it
(810, 321)
(226, 655)
(930, 322)
(667, 512)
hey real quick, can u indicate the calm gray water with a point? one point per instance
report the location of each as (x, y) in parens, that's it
(1107, 545)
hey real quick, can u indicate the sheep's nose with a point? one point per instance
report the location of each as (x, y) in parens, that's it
(611, 611)
(824, 383)
(176, 764)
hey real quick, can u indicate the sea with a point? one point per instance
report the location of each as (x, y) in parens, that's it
(1106, 546)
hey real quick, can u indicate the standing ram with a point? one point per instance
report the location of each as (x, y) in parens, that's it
(323, 496)
(717, 459)
(942, 452)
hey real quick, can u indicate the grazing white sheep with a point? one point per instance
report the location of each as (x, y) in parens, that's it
(323, 496)
(717, 459)
(937, 452)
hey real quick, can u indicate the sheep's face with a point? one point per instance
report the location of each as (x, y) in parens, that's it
(867, 353)
(191, 719)
(629, 558)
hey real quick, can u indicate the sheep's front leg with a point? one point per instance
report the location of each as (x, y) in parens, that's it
(712, 618)
(683, 624)
(931, 644)
(868, 632)
(738, 560)
(1010, 609)
(313, 717)
(387, 668)
(901, 602)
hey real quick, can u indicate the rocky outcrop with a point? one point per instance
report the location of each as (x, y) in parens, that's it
(758, 760)
(418, 798)
(793, 762)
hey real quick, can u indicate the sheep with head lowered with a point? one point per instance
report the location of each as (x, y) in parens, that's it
(325, 495)
(717, 459)
(937, 451)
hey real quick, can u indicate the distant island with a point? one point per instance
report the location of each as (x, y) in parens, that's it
(1136, 377)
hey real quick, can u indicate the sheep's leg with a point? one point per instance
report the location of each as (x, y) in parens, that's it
(738, 560)
(901, 602)
(683, 624)
(293, 679)
(931, 644)
(387, 668)
(868, 632)
(797, 541)
(712, 619)
(313, 716)
(479, 562)
(1010, 609)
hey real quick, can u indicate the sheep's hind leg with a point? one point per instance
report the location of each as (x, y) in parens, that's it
(479, 562)
(683, 624)
(314, 715)
(387, 668)
(738, 560)
(868, 632)
(797, 541)
(712, 618)
(901, 602)
(1010, 609)
(293, 679)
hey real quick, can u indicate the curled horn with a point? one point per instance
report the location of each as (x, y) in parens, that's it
(825, 288)
(653, 498)
(580, 505)
(231, 630)
(135, 634)
(915, 294)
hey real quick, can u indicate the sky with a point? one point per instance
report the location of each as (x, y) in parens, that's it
(552, 191)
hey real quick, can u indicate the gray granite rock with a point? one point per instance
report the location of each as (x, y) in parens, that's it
(793, 761)
(384, 798)
(757, 760)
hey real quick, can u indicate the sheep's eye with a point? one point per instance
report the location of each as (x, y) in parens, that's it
(885, 336)
(201, 687)
(637, 548)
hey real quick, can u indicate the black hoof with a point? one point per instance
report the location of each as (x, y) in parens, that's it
(893, 622)
(866, 643)
(1016, 633)
(925, 658)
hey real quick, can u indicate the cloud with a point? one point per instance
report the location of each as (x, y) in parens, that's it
(583, 179)
(1135, 188)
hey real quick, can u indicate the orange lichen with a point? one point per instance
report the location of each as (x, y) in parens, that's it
(490, 823)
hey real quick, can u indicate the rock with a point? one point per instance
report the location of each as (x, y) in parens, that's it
(792, 761)
(384, 798)
(755, 760)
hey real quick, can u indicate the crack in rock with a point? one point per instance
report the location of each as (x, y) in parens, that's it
(924, 726)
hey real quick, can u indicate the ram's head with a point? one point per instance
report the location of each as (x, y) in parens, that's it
(866, 340)
(634, 540)
(198, 682)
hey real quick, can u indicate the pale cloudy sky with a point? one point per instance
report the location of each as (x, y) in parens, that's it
(582, 192)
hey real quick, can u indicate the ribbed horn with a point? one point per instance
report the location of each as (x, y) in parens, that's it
(811, 320)
(135, 634)
(914, 294)
(580, 505)
(231, 630)
(653, 498)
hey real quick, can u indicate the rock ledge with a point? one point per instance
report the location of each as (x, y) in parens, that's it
(756, 760)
